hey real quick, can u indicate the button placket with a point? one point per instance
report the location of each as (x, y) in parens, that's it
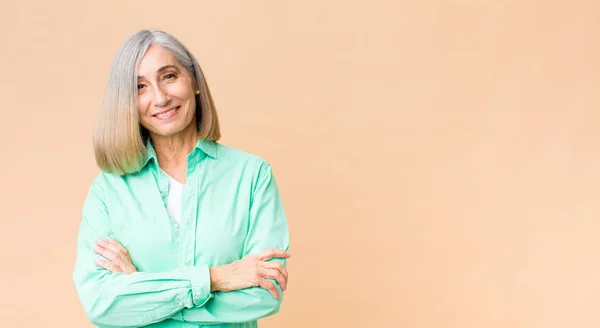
(187, 222)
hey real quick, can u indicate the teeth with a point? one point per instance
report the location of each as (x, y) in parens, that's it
(167, 113)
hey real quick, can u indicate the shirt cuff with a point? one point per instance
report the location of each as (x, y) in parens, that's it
(200, 278)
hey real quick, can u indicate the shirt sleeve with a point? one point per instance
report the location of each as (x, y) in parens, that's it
(268, 228)
(139, 299)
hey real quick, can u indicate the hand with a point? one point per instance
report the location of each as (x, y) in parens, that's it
(112, 250)
(250, 271)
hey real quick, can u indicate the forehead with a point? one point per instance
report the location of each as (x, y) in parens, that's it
(155, 58)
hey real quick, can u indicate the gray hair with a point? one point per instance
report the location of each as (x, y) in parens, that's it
(119, 139)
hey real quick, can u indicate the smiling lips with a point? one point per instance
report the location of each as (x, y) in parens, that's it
(167, 114)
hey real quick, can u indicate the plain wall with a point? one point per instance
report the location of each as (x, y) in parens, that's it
(439, 161)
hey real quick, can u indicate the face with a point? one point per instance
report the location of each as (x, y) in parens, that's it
(166, 94)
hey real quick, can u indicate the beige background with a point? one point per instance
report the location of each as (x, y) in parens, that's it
(439, 160)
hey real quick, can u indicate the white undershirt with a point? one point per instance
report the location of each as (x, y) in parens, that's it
(174, 199)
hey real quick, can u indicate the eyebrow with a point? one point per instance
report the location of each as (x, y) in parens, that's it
(163, 68)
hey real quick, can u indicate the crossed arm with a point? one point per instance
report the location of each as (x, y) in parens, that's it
(118, 299)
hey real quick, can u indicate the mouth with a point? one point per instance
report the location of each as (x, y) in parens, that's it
(167, 114)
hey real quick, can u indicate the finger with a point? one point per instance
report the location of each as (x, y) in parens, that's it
(102, 263)
(278, 266)
(273, 252)
(110, 246)
(117, 263)
(275, 274)
(121, 258)
(107, 254)
(108, 266)
(112, 267)
(118, 244)
(278, 269)
(264, 283)
(122, 253)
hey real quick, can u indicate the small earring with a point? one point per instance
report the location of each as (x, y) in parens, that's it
(197, 92)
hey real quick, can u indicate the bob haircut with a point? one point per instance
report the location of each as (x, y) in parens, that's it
(119, 138)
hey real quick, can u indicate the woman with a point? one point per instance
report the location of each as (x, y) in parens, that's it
(177, 230)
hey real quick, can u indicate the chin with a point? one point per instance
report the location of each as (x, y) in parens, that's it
(167, 131)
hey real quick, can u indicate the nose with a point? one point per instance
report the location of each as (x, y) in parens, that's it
(161, 98)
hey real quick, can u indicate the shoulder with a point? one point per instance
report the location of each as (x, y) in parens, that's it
(240, 157)
(250, 165)
(104, 181)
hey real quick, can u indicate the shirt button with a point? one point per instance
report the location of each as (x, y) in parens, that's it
(180, 303)
(176, 225)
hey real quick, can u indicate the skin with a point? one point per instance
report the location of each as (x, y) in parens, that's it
(163, 84)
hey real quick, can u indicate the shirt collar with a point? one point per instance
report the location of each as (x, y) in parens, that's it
(205, 147)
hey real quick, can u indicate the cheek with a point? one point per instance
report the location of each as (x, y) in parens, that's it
(182, 91)
(191, 100)
(143, 105)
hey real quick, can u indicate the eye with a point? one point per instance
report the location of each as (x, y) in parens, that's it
(169, 76)
(140, 86)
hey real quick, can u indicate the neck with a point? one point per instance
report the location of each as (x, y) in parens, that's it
(172, 151)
